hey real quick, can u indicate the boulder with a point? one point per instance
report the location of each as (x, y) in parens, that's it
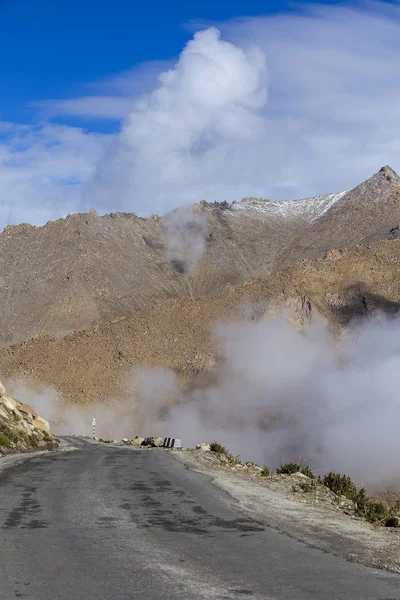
(155, 442)
(256, 468)
(41, 424)
(22, 428)
(32, 418)
(138, 441)
(204, 447)
(393, 521)
(299, 475)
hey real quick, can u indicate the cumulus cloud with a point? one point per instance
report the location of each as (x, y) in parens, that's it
(206, 128)
(333, 75)
(177, 139)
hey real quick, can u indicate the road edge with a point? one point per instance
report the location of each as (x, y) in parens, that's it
(335, 533)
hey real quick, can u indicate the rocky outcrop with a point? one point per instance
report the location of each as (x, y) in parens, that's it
(155, 442)
(393, 521)
(204, 447)
(138, 441)
(21, 429)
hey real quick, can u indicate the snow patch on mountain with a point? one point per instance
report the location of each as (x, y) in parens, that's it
(308, 209)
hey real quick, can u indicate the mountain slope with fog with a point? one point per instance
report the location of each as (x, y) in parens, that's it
(97, 364)
(84, 270)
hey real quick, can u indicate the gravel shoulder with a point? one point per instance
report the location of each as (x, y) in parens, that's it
(15, 459)
(317, 518)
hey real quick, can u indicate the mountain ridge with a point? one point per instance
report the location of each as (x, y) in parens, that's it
(86, 269)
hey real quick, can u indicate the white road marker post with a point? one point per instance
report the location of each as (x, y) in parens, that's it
(94, 428)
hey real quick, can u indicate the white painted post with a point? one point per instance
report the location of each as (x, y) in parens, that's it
(94, 428)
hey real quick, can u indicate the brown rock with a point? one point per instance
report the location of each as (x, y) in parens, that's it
(393, 522)
(138, 441)
(23, 428)
(203, 446)
(155, 442)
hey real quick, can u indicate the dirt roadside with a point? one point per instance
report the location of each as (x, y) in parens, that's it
(20, 457)
(317, 518)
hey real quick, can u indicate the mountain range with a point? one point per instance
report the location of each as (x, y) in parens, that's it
(85, 299)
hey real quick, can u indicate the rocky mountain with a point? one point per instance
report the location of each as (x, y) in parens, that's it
(368, 213)
(97, 363)
(85, 270)
(21, 429)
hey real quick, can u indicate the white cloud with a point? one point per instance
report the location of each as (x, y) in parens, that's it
(114, 96)
(333, 111)
(141, 79)
(331, 78)
(282, 396)
(42, 170)
(89, 107)
(177, 141)
(204, 128)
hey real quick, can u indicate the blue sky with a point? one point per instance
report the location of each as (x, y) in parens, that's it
(115, 106)
(56, 49)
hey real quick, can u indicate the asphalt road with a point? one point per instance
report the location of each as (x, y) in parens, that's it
(110, 523)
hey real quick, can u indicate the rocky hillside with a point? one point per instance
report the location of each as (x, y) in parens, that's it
(368, 213)
(21, 429)
(84, 270)
(97, 363)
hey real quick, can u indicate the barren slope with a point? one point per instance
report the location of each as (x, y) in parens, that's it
(97, 363)
(369, 212)
(86, 269)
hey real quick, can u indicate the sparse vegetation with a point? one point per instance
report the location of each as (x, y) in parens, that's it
(218, 448)
(4, 441)
(292, 468)
(24, 436)
(233, 460)
(377, 511)
(373, 510)
(34, 440)
(288, 469)
(342, 485)
(308, 486)
(307, 471)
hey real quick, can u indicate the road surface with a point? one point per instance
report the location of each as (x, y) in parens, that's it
(113, 523)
